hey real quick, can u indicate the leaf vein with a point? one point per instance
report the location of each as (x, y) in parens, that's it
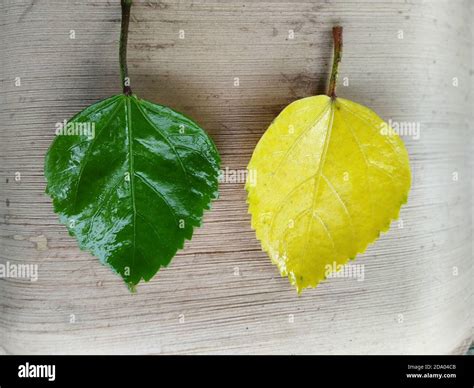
(102, 202)
(146, 181)
(283, 201)
(371, 124)
(331, 186)
(318, 175)
(170, 144)
(367, 169)
(88, 151)
(316, 122)
(331, 239)
(131, 175)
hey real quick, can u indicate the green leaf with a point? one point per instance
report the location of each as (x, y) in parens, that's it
(134, 185)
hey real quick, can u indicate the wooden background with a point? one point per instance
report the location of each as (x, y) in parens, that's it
(221, 294)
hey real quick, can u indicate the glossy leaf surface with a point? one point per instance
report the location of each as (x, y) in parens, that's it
(330, 176)
(132, 190)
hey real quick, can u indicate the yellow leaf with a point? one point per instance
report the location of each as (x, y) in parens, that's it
(330, 176)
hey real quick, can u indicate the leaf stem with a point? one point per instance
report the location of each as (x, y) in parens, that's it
(337, 38)
(126, 6)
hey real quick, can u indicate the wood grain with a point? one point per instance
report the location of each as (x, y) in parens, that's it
(221, 294)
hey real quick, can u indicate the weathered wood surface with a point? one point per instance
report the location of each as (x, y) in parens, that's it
(221, 294)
